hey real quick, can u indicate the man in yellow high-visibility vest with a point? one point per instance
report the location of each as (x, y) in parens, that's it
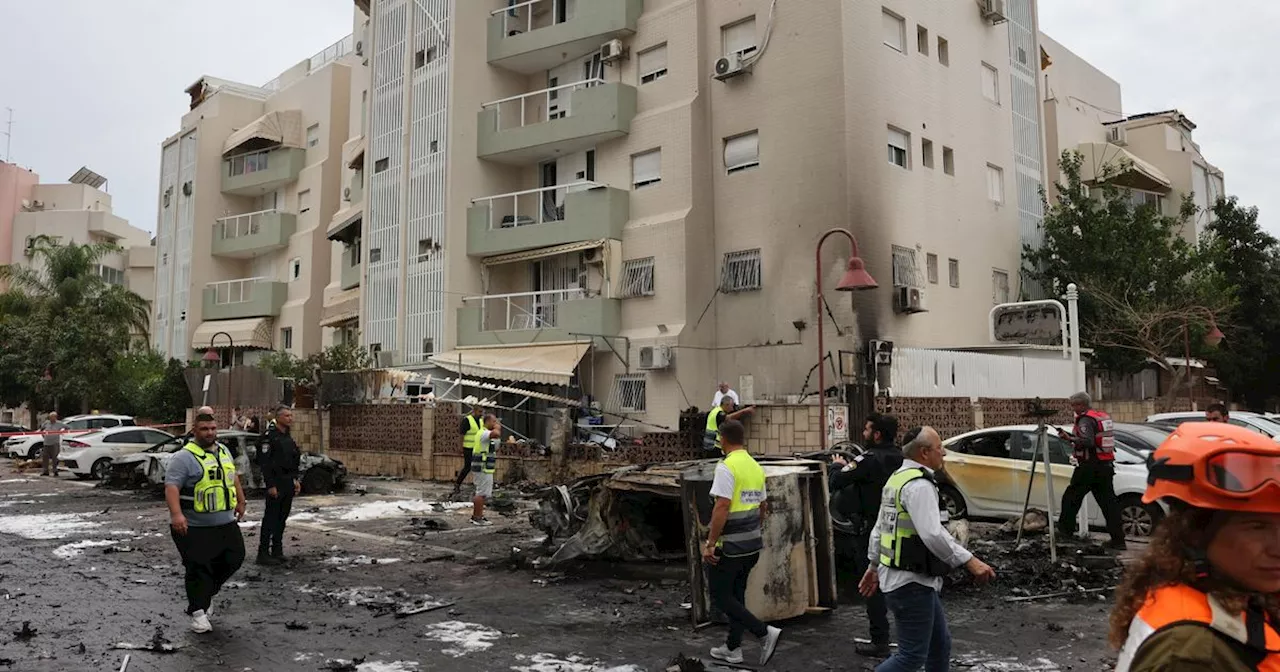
(470, 427)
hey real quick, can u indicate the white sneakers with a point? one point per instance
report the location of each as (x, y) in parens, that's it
(723, 652)
(769, 643)
(481, 522)
(200, 621)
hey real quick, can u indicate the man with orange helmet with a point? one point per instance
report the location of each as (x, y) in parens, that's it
(1206, 595)
(1093, 445)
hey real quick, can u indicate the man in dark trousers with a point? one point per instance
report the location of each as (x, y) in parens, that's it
(206, 500)
(470, 427)
(280, 458)
(857, 488)
(1093, 445)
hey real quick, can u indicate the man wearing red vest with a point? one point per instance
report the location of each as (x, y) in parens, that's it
(1093, 448)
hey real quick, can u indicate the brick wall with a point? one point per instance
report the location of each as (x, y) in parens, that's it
(783, 430)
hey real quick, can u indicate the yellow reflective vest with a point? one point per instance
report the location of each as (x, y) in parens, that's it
(741, 534)
(900, 545)
(216, 489)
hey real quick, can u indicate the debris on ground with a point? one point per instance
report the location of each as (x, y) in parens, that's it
(1034, 520)
(340, 665)
(683, 663)
(118, 549)
(158, 644)
(380, 600)
(1083, 570)
(26, 633)
(295, 625)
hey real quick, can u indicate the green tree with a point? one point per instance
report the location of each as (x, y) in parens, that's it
(284, 364)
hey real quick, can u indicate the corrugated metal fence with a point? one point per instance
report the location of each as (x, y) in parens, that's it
(945, 373)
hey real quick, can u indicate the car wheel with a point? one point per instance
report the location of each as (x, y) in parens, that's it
(317, 481)
(952, 501)
(1138, 519)
(100, 468)
(33, 453)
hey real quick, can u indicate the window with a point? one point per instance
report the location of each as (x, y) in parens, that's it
(944, 52)
(591, 164)
(355, 253)
(1140, 198)
(993, 444)
(991, 83)
(1022, 55)
(313, 135)
(304, 201)
(112, 276)
(742, 152)
(905, 271)
(995, 184)
(739, 38)
(646, 168)
(652, 64)
(295, 268)
(895, 31)
(629, 392)
(1028, 443)
(922, 40)
(948, 161)
(381, 165)
(375, 254)
(898, 144)
(435, 146)
(931, 267)
(999, 286)
(741, 272)
(375, 348)
(637, 277)
(286, 338)
(953, 272)
(926, 152)
(425, 247)
(429, 56)
(246, 164)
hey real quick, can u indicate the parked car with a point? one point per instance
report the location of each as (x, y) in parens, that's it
(1142, 438)
(91, 454)
(1255, 421)
(28, 445)
(989, 472)
(320, 474)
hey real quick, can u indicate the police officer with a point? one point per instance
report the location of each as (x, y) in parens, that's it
(471, 426)
(205, 500)
(856, 492)
(718, 415)
(1093, 444)
(280, 460)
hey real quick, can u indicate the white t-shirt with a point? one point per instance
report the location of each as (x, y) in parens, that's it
(721, 395)
(724, 484)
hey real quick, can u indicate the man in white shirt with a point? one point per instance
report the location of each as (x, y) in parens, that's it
(724, 391)
(910, 552)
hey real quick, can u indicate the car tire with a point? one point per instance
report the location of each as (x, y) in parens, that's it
(100, 469)
(33, 453)
(317, 481)
(952, 501)
(1138, 519)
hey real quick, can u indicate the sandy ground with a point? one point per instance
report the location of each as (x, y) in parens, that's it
(90, 568)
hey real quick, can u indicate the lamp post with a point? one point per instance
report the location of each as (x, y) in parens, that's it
(1211, 339)
(211, 355)
(855, 278)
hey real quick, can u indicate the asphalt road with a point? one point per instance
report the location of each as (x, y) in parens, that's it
(91, 568)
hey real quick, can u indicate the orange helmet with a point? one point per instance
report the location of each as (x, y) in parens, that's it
(1212, 465)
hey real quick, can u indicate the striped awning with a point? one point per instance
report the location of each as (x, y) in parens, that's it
(542, 252)
(254, 332)
(283, 127)
(545, 364)
(342, 307)
(1100, 157)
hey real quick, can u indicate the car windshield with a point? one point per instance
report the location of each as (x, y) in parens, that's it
(1153, 436)
(169, 446)
(88, 435)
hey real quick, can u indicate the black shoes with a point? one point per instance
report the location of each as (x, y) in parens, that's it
(879, 651)
(270, 560)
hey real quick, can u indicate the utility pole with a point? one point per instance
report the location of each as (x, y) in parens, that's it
(8, 137)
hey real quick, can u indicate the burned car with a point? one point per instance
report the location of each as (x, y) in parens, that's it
(320, 474)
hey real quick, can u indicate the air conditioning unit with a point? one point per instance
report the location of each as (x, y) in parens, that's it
(346, 194)
(909, 300)
(37, 205)
(880, 353)
(386, 359)
(594, 255)
(653, 357)
(1117, 135)
(993, 11)
(612, 51)
(729, 67)
(360, 48)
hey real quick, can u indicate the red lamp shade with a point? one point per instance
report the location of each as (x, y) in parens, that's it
(856, 277)
(211, 356)
(1214, 337)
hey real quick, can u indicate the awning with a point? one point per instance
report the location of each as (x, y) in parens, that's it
(353, 151)
(254, 332)
(1135, 172)
(545, 364)
(343, 307)
(282, 128)
(541, 253)
(346, 223)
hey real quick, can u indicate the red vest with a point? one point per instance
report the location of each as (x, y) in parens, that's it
(1178, 605)
(1104, 437)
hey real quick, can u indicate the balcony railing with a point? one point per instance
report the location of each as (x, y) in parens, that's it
(239, 226)
(523, 311)
(532, 206)
(531, 15)
(326, 56)
(234, 291)
(555, 101)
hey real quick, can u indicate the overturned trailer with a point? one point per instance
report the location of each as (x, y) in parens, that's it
(661, 512)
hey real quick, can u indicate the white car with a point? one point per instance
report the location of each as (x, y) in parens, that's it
(90, 455)
(987, 473)
(1255, 421)
(28, 445)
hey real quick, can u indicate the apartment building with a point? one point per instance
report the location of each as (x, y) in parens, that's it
(1154, 153)
(623, 197)
(248, 186)
(78, 211)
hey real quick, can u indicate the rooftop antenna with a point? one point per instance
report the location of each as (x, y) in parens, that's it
(8, 137)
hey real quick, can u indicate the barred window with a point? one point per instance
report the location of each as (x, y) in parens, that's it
(637, 277)
(629, 392)
(742, 271)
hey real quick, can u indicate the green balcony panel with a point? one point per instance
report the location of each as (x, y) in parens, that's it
(350, 274)
(508, 224)
(243, 298)
(595, 115)
(246, 236)
(518, 45)
(598, 316)
(283, 165)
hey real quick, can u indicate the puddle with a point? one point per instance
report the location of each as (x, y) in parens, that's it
(15, 503)
(981, 662)
(359, 560)
(462, 638)
(545, 662)
(45, 526)
(68, 551)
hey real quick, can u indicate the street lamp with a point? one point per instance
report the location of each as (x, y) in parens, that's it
(211, 355)
(855, 278)
(1211, 339)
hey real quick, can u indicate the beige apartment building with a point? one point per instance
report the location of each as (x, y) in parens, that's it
(1159, 161)
(248, 186)
(623, 197)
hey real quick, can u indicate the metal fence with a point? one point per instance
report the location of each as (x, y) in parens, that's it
(945, 373)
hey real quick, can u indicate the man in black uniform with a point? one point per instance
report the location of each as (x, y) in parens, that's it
(856, 489)
(470, 427)
(280, 458)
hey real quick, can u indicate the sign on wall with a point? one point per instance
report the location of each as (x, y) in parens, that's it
(837, 424)
(1036, 324)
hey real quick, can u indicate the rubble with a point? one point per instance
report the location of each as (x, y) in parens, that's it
(381, 601)
(1085, 571)
(158, 644)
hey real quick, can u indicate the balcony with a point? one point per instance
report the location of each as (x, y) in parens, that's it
(527, 220)
(248, 297)
(349, 277)
(536, 317)
(249, 235)
(540, 34)
(257, 173)
(561, 120)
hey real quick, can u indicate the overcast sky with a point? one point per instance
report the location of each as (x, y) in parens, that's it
(100, 82)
